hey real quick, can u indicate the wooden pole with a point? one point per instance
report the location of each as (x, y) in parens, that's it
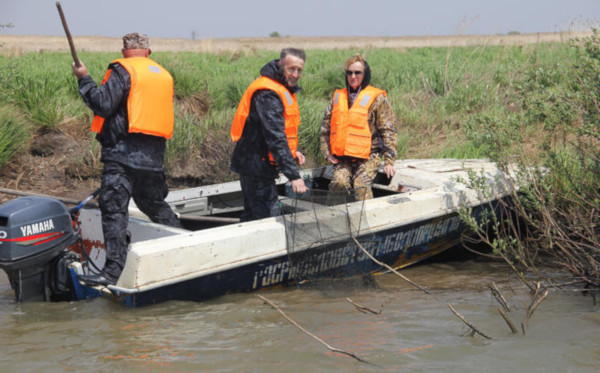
(69, 38)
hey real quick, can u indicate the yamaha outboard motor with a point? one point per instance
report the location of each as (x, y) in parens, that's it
(34, 235)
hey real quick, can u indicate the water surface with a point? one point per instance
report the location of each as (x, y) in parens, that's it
(416, 332)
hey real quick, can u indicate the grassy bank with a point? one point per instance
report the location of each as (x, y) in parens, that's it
(440, 95)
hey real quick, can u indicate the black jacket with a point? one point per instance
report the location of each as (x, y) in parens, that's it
(135, 150)
(264, 132)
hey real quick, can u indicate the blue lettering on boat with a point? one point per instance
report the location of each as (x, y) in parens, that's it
(411, 242)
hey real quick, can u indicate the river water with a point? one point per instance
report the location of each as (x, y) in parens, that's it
(415, 332)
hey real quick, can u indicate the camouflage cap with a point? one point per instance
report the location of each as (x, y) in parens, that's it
(135, 40)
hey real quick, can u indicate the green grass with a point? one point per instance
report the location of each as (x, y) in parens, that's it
(438, 94)
(14, 133)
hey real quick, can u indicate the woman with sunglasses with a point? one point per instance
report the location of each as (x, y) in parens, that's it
(358, 131)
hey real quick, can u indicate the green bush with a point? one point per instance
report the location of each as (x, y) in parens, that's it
(14, 133)
(439, 95)
(41, 89)
(557, 209)
(311, 112)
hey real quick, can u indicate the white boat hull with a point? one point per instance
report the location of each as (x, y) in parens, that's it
(413, 217)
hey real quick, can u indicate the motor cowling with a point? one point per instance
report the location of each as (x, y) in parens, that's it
(35, 233)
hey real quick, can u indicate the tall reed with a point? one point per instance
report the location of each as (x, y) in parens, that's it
(14, 133)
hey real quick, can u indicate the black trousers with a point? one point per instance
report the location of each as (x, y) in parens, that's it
(119, 184)
(260, 197)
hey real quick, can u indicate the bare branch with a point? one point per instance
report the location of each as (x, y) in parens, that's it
(475, 330)
(365, 309)
(505, 317)
(537, 299)
(499, 297)
(536, 303)
(333, 349)
(388, 267)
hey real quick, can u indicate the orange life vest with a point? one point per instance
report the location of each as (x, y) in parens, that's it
(291, 111)
(150, 102)
(350, 134)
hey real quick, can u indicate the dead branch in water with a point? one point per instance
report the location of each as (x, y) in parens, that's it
(538, 287)
(333, 349)
(365, 309)
(468, 323)
(535, 302)
(505, 317)
(388, 267)
(499, 297)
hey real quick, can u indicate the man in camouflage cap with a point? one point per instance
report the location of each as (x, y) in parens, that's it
(135, 40)
(134, 117)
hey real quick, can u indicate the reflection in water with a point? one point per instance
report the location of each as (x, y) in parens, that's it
(416, 332)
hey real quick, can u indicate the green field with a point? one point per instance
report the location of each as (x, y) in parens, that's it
(442, 96)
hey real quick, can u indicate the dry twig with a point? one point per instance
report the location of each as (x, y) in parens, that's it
(536, 302)
(537, 299)
(468, 323)
(365, 309)
(388, 267)
(510, 324)
(499, 297)
(333, 349)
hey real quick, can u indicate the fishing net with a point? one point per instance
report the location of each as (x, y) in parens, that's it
(321, 250)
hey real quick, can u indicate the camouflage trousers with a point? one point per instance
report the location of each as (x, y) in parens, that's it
(119, 184)
(357, 175)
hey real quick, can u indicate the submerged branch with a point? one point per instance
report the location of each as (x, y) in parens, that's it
(536, 302)
(388, 267)
(499, 297)
(537, 299)
(468, 323)
(333, 349)
(505, 317)
(365, 309)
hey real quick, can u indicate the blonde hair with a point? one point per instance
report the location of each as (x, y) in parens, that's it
(354, 59)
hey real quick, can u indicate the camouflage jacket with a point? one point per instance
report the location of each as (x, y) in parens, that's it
(382, 122)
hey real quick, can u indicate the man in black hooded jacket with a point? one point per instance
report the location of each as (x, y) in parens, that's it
(266, 140)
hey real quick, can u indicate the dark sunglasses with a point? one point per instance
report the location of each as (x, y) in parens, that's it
(350, 73)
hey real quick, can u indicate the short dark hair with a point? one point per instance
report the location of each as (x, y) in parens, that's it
(294, 52)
